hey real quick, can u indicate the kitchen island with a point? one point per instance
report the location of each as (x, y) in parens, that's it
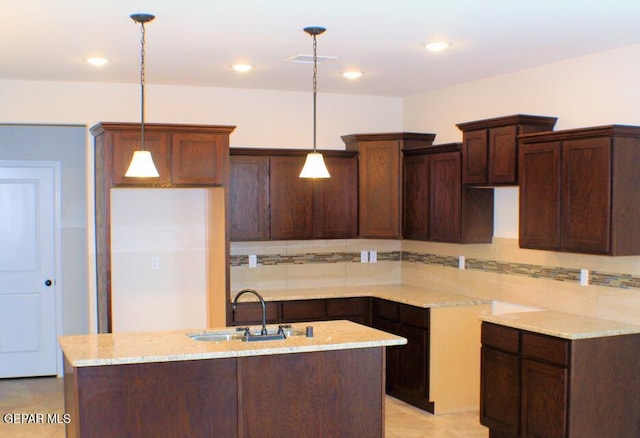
(170, 384)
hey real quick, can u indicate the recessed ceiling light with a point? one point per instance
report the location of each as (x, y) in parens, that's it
(437, 46)
(98, 62)
(352, 74)
(242, 68)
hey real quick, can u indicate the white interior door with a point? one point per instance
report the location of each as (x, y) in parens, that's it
(27, 266)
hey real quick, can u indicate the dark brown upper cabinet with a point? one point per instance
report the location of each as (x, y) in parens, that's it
(437, 206)
(185, 155)
(380, 179)
(490, 147)
(580, 192)
(268, 200)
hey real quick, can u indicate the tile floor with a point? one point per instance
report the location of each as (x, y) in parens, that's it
(45, 395)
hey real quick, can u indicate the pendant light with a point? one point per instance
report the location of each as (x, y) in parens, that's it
(314, 166)
(141, 165)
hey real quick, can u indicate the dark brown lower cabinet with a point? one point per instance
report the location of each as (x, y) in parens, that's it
(356, 309)
(335, 393)
(534, 385)
(407, 366)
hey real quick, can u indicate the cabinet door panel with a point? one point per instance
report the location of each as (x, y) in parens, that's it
(392, 353)
(249, 198)
(503, 155)
(444, 193)
(500, 391)
(379, 191)
(414, 360)
(198, 158)
(540, 196)
(475, 157)
(291, 199)
(416, 197)
(544, 400)
(336, 200)
(125, 143)
(586, 195)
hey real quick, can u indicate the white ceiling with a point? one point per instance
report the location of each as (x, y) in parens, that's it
(194, 42)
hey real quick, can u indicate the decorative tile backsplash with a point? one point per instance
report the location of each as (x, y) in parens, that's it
(597, 278)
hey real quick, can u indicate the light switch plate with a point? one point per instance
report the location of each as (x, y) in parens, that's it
(373, 256)
(364, 256)
(461, 262)
(253, 261)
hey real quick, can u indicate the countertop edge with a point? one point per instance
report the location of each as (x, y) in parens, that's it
(234, 354)
(562, 325)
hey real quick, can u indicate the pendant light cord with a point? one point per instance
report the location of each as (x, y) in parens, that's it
(315, 88)
(142, 43)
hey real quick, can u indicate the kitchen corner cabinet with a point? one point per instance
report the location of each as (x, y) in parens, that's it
(436, 206)
(534, 385)
(185, 156)
(268, 200)
(490, 147)
(380, 179)
(407, 367)
(579, 190)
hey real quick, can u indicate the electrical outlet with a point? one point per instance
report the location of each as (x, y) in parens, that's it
(584, 277)
(373, 256)
(364, 256)
(461, 262)
(253, 261)
(155, 263)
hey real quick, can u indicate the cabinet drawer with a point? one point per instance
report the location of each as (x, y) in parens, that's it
(415, 316)
(545, 348)
(503, 338)
(385, 309)
(251, 313)
(304, 310)
(348, 307)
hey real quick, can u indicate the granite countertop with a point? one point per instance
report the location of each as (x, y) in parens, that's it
(412, 295)
(129, 348)
(562, 325)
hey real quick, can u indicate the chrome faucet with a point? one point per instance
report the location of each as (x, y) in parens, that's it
(234, 305)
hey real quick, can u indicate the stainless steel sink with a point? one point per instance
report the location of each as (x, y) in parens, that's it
(216, 336)
(234, 335)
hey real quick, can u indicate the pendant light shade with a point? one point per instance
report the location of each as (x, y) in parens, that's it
(142, 165)
(314, 166)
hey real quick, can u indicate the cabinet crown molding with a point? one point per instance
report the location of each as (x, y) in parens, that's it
(100, 127)
(514, 119)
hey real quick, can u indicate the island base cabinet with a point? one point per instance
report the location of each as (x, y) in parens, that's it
(171, 399)
(336, 393)
(320, 394)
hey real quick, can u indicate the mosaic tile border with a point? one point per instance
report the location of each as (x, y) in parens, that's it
(307, 258)
(596, 278)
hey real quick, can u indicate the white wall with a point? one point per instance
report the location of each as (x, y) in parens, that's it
(168, 225)
(598, 89)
